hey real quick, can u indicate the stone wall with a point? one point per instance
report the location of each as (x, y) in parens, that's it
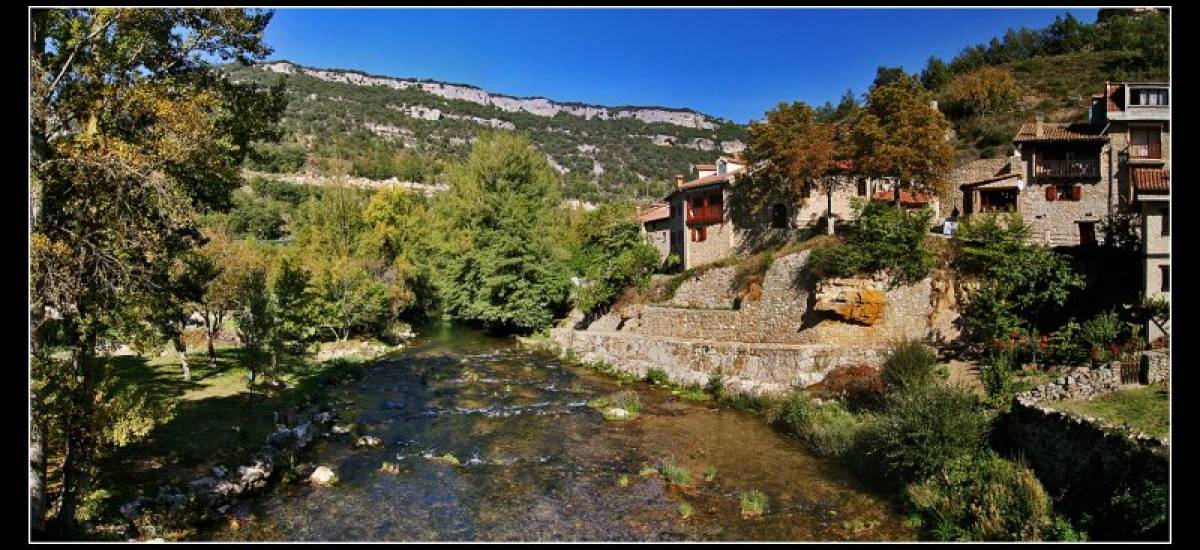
(1082, 460)
(769, 344)
(1156, 366)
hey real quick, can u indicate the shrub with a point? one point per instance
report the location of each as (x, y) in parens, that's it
(998, 381)
(982, 91)
(657, 376)
(1143, 507)
(825, 428)
(685, 510)
(1099, 334)
(882, 238)
(923, 431)
(860, 387)
(983, 498)
(908, 365)
(674, 473)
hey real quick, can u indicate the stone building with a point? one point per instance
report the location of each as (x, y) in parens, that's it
(1152, 192)
(656, 224)
(1066, 178)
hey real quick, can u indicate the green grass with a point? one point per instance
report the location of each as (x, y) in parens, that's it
(685, 510)
(754, 503)
(1145, 409)
(710, 473)
(675, 474)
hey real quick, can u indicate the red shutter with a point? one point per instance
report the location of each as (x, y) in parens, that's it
(1077, 192)
(1050, 192)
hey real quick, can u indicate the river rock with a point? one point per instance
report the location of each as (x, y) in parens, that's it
(322, 476)
(368, 441)
(616, 413)
(340, 430)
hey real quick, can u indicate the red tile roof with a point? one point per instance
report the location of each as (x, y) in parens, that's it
(706, 167)
(656, 211)
(1151, 180)
(1055, 131)
(710, 179)
(908, 197)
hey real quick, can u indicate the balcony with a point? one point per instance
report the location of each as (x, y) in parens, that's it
(1067, 169)
(711, 213)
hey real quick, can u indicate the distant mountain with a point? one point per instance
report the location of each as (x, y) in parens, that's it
(601, 151)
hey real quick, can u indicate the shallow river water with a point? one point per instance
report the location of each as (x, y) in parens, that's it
(538, 464)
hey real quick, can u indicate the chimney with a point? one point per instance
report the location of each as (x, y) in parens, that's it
(678, 180)
(1038, 127)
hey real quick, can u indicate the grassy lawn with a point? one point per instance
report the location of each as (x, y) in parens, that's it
(214, 420)
(1146, 409)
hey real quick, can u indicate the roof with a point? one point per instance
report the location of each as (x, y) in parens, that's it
(985, 181)
(1151, 180)
(1057, 131)
(908, 197)
(656, 211)
(711, 179)
(706, 167)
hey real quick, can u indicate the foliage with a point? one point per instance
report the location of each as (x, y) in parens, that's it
(860, 387)
(293, 305)
(936, 74)
(1143, 507)
(609, 252)
(899, 134)
(922, 432)
(997, 379)
(983, 498)
(657, 376)
(685, 510)
(825, 428)
(983, 91)
(674, 473)
(908, 366)
(882, 238)
(753, 503)
(349, 297)
(255, 317)
(502, 269)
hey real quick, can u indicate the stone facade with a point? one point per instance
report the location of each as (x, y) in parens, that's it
(1156, 367)
(768, 344)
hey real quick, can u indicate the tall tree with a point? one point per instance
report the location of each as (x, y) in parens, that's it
(936, 74)
(899, 134)
(131, 132)
(794, 146)
(503, 269)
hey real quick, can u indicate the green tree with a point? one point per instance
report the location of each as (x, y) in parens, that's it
(936, 74)
(503, 267)
(293, 305)
(610, 254)
(130, 133)
(256, 319)
(885, 75)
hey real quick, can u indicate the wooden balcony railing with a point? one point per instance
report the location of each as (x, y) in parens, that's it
(1146, 151)
(1067, 169)
(706, 214)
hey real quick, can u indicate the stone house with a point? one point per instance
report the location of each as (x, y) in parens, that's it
(1065, 178)
(700, 227)
(1152, 193)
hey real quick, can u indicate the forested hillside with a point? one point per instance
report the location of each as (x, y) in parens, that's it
(384, 127)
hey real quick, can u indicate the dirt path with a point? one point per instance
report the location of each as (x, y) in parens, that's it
(963, 372)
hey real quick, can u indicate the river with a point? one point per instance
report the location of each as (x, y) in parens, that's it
(536, 463)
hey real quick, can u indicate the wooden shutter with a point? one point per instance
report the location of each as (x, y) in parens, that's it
(1050, 192)
(1077, 192)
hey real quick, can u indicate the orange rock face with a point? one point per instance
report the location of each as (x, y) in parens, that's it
(852, 300)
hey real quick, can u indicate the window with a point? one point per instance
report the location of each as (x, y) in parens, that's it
(779, 216)
(1151, 97)
(1166, 222)
(1064, 193)
(699, 233)
(1087, 233)
(862, 187)
(1165, 271)
(1145, 143)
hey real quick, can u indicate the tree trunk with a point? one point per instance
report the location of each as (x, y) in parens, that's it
(37, 476)
(829, 208)
(76, 440)
(181, 348)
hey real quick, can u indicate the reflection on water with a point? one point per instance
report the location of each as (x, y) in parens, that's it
(535, 463)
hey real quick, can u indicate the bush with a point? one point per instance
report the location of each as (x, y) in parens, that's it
(923, 431)
(825, 428)
(1142, 507)
(909, 365)
(860, 387)
(998, 382)
(983, 498)
(657, 376)
(882, 238)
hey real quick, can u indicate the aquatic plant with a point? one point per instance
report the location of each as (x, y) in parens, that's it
(693, 393)
(675, 474)
(389, 468)
(647, 470)
(754, 503)
(685, 510)
(448, 458)
(710, 473)
(622, 405)
(623, 481)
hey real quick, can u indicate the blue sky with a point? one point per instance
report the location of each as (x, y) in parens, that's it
(730, 63)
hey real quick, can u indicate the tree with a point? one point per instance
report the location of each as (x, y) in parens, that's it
(885, 75)
(936, 74)
(900, 134)
(349, 296)
(256, 319)
(293, 307)
(610, 253)
(130, 132)
(503, 269)
(982, 91)
(793, 146)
